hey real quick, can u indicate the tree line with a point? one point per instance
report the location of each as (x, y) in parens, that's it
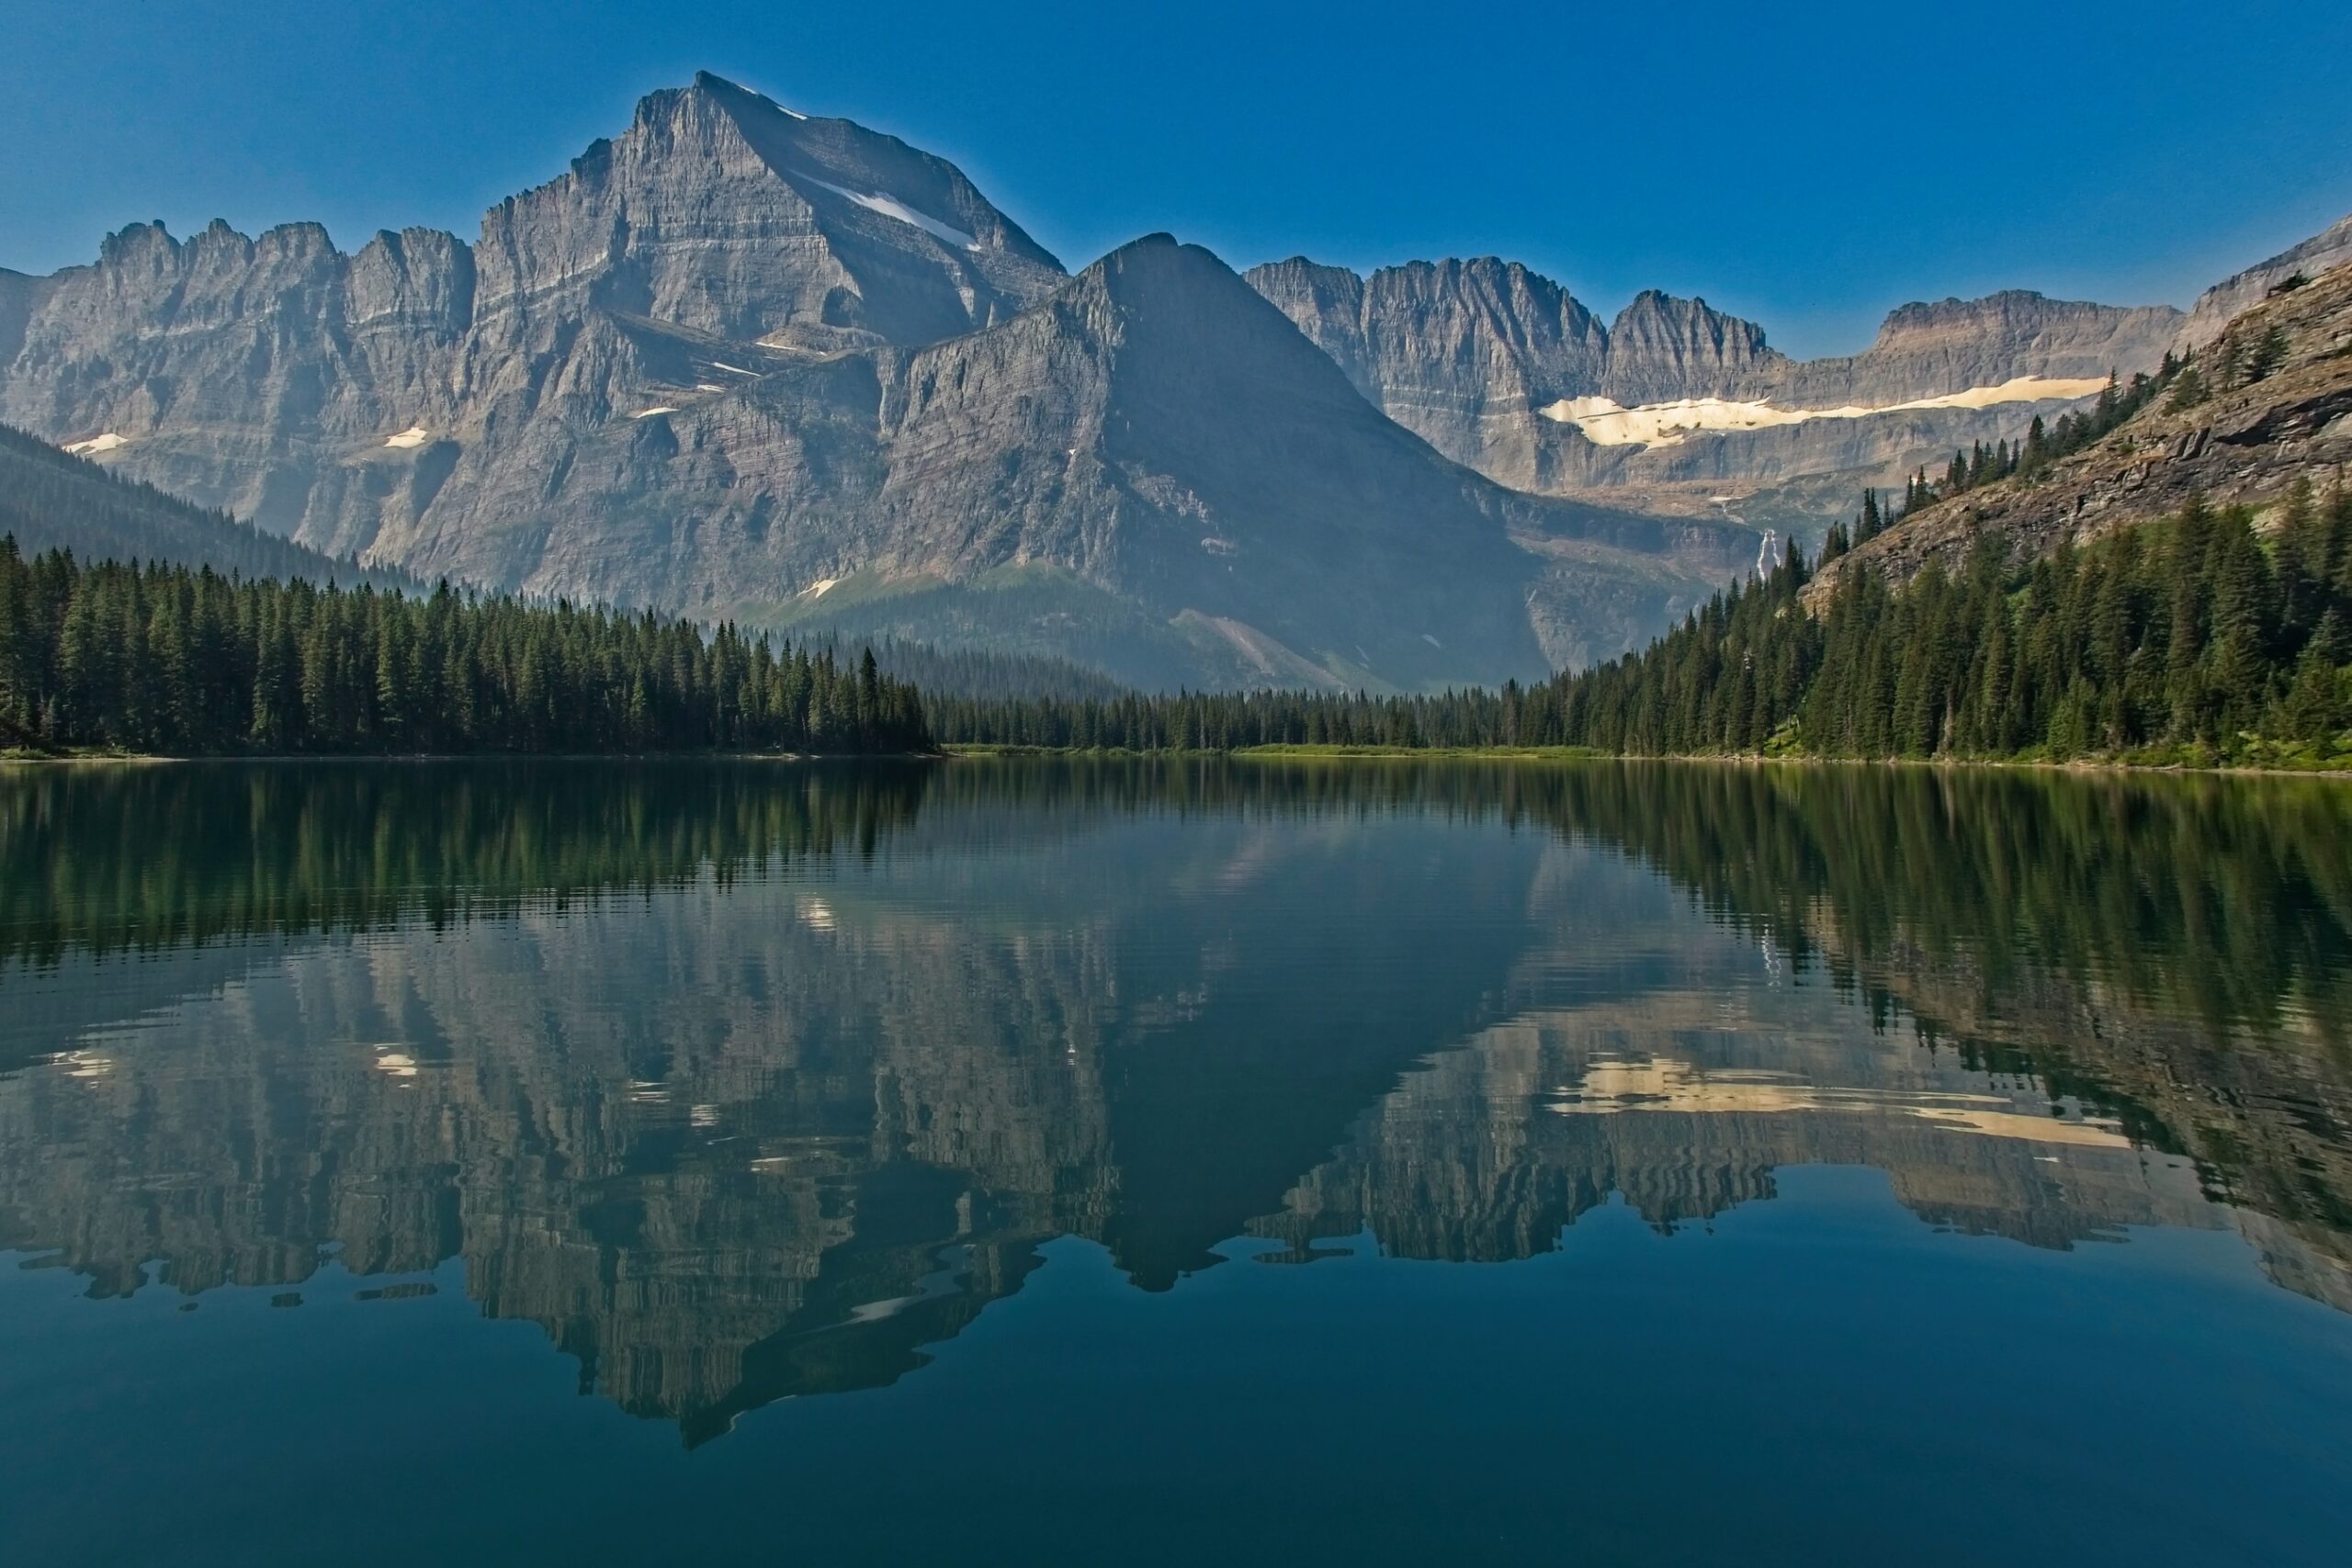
(160, 658)
(2191, 636)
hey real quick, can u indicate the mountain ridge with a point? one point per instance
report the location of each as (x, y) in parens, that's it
(735, 361)
(1502, 369)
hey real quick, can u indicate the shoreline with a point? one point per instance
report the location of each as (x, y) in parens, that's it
(147, 758)
(1556, 754)
(2335, 769)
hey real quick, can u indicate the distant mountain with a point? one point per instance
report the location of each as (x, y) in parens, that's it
(52, 499)
(1504, 370)
(2244, 432)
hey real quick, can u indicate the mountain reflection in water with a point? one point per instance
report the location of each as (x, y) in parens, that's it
(748, 1081)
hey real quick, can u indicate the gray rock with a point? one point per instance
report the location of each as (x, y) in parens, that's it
(2330, 247)
(1153, 444)
(267, 376)
(1468, 354)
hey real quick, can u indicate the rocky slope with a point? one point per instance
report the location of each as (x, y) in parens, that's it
(2246, 443)
(1502, 369)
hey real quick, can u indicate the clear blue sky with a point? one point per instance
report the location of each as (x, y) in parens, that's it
(1808, 166)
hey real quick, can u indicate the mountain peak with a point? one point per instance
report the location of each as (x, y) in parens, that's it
(735, 93)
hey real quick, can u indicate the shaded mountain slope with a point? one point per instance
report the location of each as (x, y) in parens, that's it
(52, 499)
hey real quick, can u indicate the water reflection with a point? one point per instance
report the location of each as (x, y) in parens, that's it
(746, 1081)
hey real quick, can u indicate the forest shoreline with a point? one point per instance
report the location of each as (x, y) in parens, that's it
(2336, 768)
(88, 758)
(2331, 768)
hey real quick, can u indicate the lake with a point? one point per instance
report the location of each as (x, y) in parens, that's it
(1158, 1162)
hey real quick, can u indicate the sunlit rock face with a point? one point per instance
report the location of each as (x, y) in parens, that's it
(2244, 441)
(336, 398)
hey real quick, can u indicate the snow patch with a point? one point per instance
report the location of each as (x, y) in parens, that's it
(96, 444)
(732, 369)
(708, 387)
(414, 436)
(1613, 1087)
(820, 588)
(889, 206)
(1606, 422)
(659, 408)
(794, 113)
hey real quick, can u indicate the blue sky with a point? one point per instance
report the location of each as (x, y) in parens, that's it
(1808, 166)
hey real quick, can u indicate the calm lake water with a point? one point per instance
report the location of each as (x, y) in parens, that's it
(1066, 1163)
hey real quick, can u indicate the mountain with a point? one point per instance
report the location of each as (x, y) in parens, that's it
(1150, 470)
(740, 363)
(2243, 433)
(53, 500)
(1502, 369)
(330, 397)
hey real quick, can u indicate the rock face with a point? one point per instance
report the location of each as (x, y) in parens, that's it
(2248, 443)
(2331, 247)
(1930, 350)
(737, 360)
(1152, 442)
(1482, 358)
(330, 397)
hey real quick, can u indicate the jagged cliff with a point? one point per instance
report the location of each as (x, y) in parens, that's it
(330, 397)
(1152, 430)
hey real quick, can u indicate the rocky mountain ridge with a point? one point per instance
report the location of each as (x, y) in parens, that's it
(2331, 247)
(737, 363)
(2235, 437)
(1504, 370)
(328, 396)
